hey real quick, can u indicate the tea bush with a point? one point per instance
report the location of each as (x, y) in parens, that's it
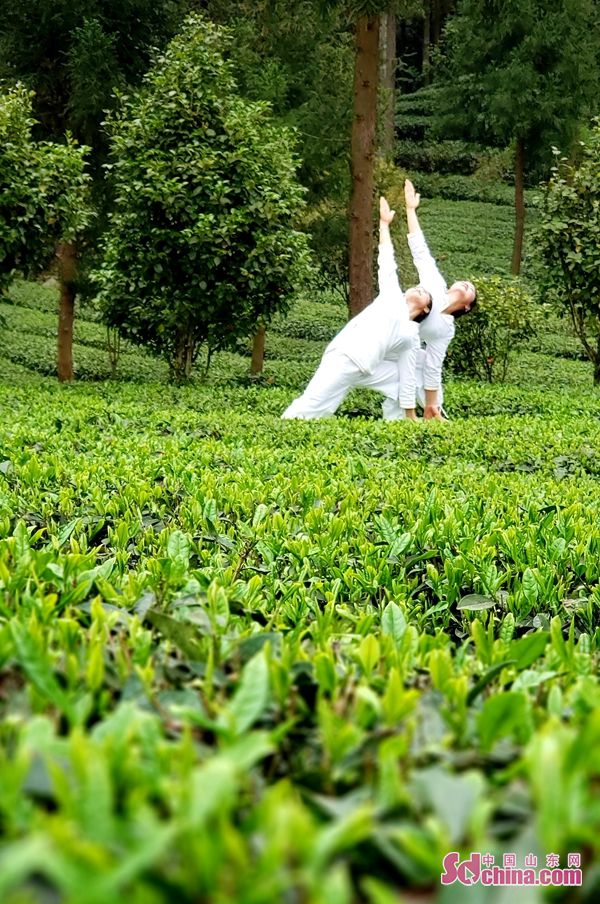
(244, 657)
(44, 189)
(252, 660)
(504, 319)
(467, 188)
(438, 157)
(569, 238)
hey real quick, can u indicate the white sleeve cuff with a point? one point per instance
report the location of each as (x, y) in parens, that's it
(407, 402)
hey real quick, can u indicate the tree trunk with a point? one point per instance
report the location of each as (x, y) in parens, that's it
(184, 359)
(427, 42)
(440, 10)
(258, 351)
(113, 347)
(366, 68)
(517, 254)
(387, 39)
(436, 21)
(66, 253)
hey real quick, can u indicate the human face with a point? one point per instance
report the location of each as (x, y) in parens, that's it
(419, 302)
(419, 296)
(467, 292)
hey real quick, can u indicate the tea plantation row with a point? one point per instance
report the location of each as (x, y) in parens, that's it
(247, 660)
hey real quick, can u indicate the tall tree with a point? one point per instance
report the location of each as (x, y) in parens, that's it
(318, 106)
(365, 18)
(43, 203)
(362, 17)
(73, 55)
(440, 9)
(521, 72)
(298, 57)
(427, 12)
(362, 151)
(201, 243)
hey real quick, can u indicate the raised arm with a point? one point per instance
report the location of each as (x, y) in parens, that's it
(387, 274)
(412, 200)
(407, 377)
(429, 275)
(386, 217)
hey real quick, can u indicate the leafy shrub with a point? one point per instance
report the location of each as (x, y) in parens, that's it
(327, 223)
(43, 189)
(315, 320)
(462, 188)
(569, 235)
(503, 320)
(422, 103)
(497, 165)
(33, 295)
(553, 339)
(296, 328)
(411, 127)
(201, 243)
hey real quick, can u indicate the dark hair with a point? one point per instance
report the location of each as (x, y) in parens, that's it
(424, 314)
(421, 317)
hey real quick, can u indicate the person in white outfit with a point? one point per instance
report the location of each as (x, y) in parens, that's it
(377, 349)
(437, 331)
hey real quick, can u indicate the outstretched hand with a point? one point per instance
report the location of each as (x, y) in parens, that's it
(411, 197)
(385, 214)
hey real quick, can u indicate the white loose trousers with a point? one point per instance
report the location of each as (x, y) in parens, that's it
(336, 375)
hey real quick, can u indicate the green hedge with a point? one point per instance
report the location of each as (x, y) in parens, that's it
(437, 157)
(467, 188)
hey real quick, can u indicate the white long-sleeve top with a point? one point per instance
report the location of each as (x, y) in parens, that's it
(437, 330)
(384, 331)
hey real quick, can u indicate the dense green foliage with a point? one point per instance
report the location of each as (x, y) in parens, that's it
(201, 241)
(570, 243)
(245, 659)
(456, 157)
(327, 224)
(74, 54)
(356, 635)
(253, 661)
(499, 326)
(43, 189)
(530, 72)
(299, 58)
